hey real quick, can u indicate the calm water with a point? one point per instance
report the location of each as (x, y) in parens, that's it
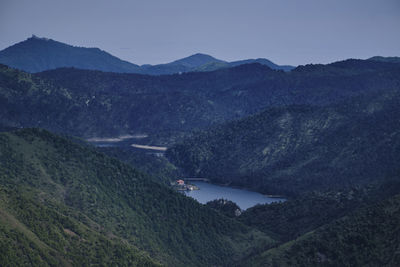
(243, 198)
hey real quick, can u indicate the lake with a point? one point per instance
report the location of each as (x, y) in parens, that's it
(243, 198)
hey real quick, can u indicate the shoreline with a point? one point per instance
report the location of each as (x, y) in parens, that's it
(244, 188)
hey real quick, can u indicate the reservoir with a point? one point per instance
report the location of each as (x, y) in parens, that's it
(243, 198)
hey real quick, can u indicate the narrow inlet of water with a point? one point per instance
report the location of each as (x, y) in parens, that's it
(243, 198)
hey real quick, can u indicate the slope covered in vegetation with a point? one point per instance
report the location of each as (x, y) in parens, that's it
(92, 103)
(64, 203)
(294, 149)
(151, 164)
(295, 217)
(320, 127)
(368, 237)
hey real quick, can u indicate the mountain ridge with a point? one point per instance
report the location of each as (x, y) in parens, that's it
(325, 136)
(295, 149)
(89, 103)
(37, 54)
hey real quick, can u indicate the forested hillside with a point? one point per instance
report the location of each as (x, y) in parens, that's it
(367, 237)
(237, 134)
(295, 217)
(62, 203)
(325, 136)
(294, 149)
(27, 100)
(151, 164)
(92, 103)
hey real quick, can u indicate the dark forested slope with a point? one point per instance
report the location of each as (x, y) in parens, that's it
(93, 103)
(294, 149)
(196, 100)
(290, 219)
(367, 237)
(89, 111)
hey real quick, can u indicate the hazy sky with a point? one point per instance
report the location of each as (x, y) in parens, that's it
(148, 31)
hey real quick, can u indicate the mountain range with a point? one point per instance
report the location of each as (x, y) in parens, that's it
(39, 54)
(326, 137)
(89, 103)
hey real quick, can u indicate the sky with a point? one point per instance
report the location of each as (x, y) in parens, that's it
(291, 32)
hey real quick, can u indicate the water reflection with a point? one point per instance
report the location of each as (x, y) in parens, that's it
(243, 198)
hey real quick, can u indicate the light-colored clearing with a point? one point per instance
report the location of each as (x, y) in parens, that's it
(159, 148)
(117, 139)
(69, 232)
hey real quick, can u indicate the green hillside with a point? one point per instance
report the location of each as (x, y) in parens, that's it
(155, 165)
(37, 232)
(64, 204)
(295, 217)
(367, 237)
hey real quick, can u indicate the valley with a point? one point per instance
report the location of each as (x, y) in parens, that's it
(295, 166)
(204, 190)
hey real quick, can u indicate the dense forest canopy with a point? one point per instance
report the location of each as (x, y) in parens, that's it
(92, 103)
(293, 149)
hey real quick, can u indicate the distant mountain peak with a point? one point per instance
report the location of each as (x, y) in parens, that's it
(201, 55)
(196, 60)
(35, 37)
(36, 54)
(385, 59)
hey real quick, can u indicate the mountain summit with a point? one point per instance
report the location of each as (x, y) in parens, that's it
(38, 54)
(196, 60)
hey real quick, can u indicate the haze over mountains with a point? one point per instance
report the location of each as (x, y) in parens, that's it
(327, 137)
(39, 54)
